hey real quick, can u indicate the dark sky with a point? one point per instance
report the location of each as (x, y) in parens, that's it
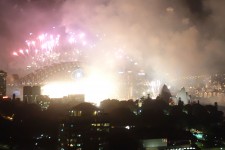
(170, 36)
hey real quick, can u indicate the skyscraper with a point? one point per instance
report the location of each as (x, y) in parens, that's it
(30, 93)
(2, 83)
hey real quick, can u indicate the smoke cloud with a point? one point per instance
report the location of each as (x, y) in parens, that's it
(18, 18)
(178, 37)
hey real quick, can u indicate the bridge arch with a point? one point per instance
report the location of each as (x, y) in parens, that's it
(40, 76)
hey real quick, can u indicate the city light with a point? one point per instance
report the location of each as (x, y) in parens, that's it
(96, 87)
(112, 74)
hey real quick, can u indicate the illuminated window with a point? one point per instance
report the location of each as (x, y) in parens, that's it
(71, 113)
(78, 113)
(95, 113)
(75, 113)
(93, 124)
(73, 140)
(106, 124)
(99, 129)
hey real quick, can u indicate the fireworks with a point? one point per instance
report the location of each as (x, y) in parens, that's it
(155, 86)
(121, 75)
(46, 48)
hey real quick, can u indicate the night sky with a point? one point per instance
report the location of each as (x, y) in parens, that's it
(170, 36)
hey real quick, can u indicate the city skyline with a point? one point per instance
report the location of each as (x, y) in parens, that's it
(112, 74)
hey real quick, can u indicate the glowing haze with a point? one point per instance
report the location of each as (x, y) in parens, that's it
(172, 37)
(95, 87)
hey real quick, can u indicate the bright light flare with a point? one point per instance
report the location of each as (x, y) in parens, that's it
(96, 88)
(81, 35)
(15, 53)
(21, 51)
(155, 88)
(72, 40)
(41, 37)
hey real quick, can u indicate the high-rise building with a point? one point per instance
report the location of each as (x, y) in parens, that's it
(30, 93)
(85, 127)
(3, 76)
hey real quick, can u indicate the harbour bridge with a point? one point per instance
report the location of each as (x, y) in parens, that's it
(42, 75)
(131, 83)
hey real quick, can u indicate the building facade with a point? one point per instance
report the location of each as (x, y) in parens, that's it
(31, 93)
(3, 76)
(84, 127)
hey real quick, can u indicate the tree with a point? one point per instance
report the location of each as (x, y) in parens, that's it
(122, 116)
(109, 105)
(165, 93)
